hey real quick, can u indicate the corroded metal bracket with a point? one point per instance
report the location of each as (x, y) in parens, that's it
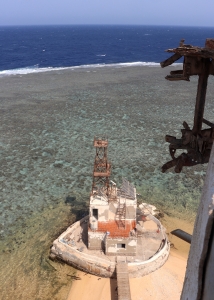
(196, 142)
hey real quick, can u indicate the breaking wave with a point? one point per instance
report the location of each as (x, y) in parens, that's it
(36, 69)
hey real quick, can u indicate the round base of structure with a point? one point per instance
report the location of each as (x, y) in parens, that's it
(71, 247)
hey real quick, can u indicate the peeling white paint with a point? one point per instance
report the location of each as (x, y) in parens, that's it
(102, 218)
(98, 200)
(96, 235)
(112, 249)
(132, 243)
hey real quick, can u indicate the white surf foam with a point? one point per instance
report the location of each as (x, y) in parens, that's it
(36, 69)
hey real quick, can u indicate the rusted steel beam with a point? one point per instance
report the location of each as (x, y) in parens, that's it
(201, 96)
(176, 77)
(197, 147)
(176, 72)
(209, 44)
(170, 60)
(102, 168)
(208, 123)
(102, 174)
(197, 142)
(193, 51)
(100, 143)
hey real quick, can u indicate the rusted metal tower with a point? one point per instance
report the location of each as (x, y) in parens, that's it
(196, 142)
(102, 168)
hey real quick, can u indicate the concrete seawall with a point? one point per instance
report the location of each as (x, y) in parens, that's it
(103, 266)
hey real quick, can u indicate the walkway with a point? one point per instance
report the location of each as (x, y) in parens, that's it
(123, 287)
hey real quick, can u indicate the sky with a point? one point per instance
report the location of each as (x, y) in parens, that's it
(139, 12)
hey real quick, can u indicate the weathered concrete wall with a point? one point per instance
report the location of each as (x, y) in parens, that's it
(112, 210)
(130, 212)
(82, 261)
(139, 269)
(96, 241)
(87, 263)
(74, 226)
(103, 267)
(130, 249)
(103, 214)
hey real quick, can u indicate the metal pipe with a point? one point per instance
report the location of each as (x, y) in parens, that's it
(182, 235)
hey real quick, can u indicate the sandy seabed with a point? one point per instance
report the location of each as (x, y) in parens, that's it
(164, 284)
(47, 125)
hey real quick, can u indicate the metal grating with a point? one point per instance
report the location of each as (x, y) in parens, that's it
(127, 189)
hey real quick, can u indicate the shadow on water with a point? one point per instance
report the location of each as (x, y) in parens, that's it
(70, 199)
(79, 209)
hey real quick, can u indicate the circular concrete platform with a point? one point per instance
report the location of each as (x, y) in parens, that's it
(152, 251)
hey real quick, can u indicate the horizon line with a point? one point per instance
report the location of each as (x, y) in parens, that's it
(88, 24)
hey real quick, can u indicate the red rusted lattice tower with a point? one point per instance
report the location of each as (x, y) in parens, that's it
(102, 168)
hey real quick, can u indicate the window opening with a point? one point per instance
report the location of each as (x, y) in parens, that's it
(95, 213)
(121, 246)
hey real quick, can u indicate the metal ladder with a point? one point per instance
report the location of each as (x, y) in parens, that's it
(121, 214)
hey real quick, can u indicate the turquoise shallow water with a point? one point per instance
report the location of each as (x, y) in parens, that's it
(48, 122)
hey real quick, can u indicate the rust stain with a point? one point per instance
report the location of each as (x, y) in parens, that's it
(114, 230)
(196, 142)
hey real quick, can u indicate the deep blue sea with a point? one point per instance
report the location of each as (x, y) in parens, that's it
(28, 49)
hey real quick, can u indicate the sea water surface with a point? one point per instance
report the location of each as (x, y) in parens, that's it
(28, 49)
(61, 86)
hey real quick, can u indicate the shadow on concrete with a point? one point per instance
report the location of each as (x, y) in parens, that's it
(113, 287)
(84, 236)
